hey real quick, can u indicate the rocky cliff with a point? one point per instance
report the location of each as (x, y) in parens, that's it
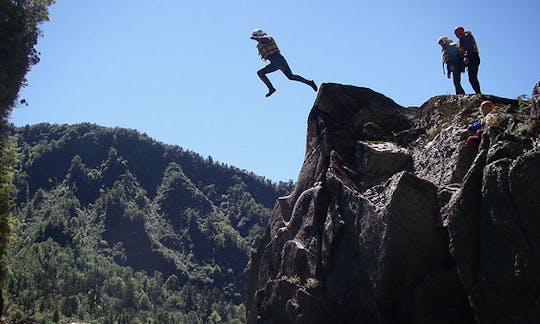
(395, 219)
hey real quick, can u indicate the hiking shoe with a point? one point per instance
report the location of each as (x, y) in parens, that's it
(270, 91)
(313, 85)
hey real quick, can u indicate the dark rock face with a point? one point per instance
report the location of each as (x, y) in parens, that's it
(535, 101)
(395, 220)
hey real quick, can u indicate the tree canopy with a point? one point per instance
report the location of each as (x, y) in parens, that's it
(116, 227)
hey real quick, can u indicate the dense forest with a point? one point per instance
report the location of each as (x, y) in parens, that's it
(19, 33)
(113, 226)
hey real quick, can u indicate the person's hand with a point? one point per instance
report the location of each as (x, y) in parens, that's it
(451, 68)
(466, 60)
(448, 75)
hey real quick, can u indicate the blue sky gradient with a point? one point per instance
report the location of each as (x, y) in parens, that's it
(184, 72)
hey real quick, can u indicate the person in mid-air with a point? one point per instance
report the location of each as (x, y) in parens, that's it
(469, 52)
(268, 50)
(454, 64)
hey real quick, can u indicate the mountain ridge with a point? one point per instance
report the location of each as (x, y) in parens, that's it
(111, 137)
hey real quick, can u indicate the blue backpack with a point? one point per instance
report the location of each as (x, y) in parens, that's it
(452, 51)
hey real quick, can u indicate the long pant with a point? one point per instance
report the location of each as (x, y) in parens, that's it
(278, 62)
(456, 75)
(474, 141)
(474, 63)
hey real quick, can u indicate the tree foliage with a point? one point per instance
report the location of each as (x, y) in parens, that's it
(117, 228)
(7, 164)
(19, 33)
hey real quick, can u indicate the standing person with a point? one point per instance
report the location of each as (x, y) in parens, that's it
(454, 64)
(268, 50)
(469, 51)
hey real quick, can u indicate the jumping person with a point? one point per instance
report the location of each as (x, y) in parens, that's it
(268, 50)
(468, 49)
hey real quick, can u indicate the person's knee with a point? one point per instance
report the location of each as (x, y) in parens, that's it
(291, 76)
(473, 141)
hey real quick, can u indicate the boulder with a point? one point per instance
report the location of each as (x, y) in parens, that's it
(535, 102)
(440, 299)
(525, 186)
(365, 250)
(378, 161)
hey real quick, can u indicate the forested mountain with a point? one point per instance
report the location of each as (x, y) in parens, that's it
(114, 226)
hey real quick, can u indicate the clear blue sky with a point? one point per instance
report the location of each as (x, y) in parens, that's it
(184, 72)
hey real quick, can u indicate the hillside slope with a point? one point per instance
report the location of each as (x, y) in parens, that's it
(394, 219)
(101, 210)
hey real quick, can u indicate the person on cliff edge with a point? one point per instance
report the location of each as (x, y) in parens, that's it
(454, 64)
(468, 50)
(269, 51)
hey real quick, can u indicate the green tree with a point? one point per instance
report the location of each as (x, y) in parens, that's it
(19, 33)
(8, 160)
(214, 318)
(70, 306)
(101, 241)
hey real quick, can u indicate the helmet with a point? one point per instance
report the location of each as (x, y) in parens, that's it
(443, 40)
(458, 31)
(257, 33)
(486, 107)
